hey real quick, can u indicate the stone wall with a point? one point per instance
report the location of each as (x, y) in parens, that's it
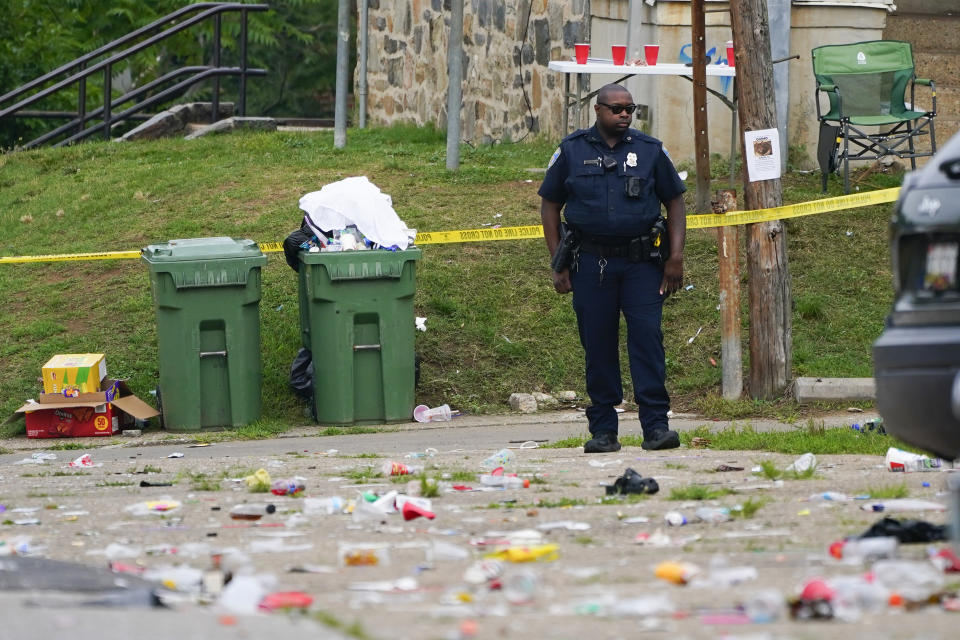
(507, 46)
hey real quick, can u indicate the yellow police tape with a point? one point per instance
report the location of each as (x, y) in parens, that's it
(703, 221)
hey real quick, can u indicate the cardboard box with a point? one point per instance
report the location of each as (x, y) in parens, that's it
(100, 413)
(75, 422)
(71, 374)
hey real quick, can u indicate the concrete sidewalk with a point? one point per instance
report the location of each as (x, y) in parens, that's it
(469, 431)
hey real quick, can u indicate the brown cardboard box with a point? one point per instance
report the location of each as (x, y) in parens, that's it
(100, 413)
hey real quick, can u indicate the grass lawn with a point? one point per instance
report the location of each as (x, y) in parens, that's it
(494, 324)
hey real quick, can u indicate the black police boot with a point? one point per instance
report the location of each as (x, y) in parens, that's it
(602, 443)
(661, 439)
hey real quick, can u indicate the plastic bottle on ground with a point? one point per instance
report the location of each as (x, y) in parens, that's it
(713, 515)
(675, 518)
(507, 482)
(865, 549)
(251, 510)
(906, 461)
(322, 506)
(914, 581)
(287, 486)
(393, 468)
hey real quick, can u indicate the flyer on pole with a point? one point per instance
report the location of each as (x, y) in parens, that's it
(763, 154)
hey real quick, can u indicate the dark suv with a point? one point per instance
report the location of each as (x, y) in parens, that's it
(917, 358)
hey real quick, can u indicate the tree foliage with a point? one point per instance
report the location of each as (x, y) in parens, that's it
(295, 41)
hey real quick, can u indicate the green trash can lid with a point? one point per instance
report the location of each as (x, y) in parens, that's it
(201, 249)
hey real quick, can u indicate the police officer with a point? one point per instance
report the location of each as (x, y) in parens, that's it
(611, 180)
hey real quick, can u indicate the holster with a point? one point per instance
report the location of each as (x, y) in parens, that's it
(566, 251)
(656, 244)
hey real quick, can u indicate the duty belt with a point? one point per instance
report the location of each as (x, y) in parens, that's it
(629, 248)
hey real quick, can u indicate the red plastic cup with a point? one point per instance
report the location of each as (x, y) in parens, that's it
(650, 53)
(619, 52)
(730, 59)
(583, 52)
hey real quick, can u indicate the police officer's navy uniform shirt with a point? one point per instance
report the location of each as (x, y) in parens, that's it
(595, 197)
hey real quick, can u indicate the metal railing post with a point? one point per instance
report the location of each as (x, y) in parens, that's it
(243, 63)
(107, 90)
(216, 63)
(362, 76)
(82, 99)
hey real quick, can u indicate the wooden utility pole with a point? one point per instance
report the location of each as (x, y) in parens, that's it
(701, 139)
(728, 249)
(771, 350)
(728, 271)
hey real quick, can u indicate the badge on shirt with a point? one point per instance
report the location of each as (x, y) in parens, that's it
(553, 158)
(631, 159)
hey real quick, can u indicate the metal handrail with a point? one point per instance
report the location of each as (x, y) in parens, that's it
(208, 9)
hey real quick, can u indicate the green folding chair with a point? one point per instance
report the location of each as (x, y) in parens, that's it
(866, 85)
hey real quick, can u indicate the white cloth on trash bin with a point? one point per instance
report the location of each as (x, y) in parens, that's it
(359, 202)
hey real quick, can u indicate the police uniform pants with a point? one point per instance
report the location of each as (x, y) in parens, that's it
(631, 288)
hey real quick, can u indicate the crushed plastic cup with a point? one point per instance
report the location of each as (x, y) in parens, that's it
(423, 413)
(502, 458)
(731, 62)
(650, 53)
(532, 553)
(583, 52)
(804, 463)
(363, 555)
(85, 462)
(765, 605)
(520, 587)
(411, 511)
(162, 506)
(364, 511)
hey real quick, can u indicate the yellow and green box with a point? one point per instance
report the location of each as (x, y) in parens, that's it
(71, 374)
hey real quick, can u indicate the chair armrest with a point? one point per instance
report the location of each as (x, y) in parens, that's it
(924, 81)
(827, 87)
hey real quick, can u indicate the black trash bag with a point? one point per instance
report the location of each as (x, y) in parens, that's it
(301, 379)
(294, 243)
(632, 482)
(301, 374)
(907, 531)
(291, 246)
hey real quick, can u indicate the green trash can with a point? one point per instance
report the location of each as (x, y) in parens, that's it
(207, 296)
(356, 317)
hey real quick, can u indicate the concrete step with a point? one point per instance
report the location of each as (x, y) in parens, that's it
(843, 389)
(925, 32)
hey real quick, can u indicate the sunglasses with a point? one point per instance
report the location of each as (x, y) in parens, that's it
(616, 109)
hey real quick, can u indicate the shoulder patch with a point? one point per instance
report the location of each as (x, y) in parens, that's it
(553, 158)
